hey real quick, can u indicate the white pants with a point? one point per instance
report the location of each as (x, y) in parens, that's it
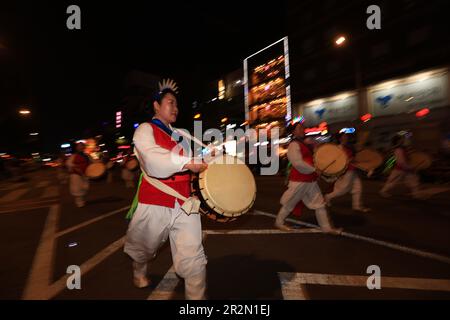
(310, 194)
(346, 183)
(79, 187)
(150, 228)
(411, 180)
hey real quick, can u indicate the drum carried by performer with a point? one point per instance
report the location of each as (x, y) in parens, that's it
(303, 184)
(349, 181)
(129, 166)
(79, 183)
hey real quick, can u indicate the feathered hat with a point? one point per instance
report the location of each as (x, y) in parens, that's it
(168, 84)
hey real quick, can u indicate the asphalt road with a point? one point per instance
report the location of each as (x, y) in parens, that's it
(42, 233)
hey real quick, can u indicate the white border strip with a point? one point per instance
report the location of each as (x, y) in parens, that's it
(420, 253)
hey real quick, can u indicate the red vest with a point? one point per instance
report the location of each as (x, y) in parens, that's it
(81, 162)
(181, 182)
(307, 156)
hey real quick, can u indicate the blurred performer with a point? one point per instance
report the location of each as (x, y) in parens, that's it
(109, 166)
(62, 168)
(402, 170)
(303, 184)
(127, 175)
(79, 183)
(160, 215)
(350, 181)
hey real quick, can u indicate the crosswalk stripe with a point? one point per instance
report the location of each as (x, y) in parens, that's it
(292, 284)
(42, 268)
(14, 195)
(166, 287)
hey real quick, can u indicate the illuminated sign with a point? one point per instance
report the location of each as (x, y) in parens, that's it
(221, 90)
(338, 108)
(266, 82)
(409, 94)
(118, 119)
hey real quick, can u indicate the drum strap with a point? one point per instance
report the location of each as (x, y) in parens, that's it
(190, 205)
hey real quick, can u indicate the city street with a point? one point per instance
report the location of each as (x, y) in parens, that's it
(42, 233)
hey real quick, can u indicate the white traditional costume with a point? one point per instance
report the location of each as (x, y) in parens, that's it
(303, 187)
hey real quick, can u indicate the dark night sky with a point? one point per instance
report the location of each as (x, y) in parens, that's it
(73, 79)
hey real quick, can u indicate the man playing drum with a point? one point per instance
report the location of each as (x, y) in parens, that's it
(350, 181)
(402, 170)
(79, 183)
(303, 184)
(158, 215)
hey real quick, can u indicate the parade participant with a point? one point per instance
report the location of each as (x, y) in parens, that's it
(79, 184)
(402, 170)
(303, 184)
(128, 175)
(62, 168)
(350, 181)
(160, 215)
(109, 164)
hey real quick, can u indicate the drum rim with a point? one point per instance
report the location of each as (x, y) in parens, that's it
(337, 174)
(223, 212)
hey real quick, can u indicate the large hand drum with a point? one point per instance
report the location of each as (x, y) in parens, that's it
(331, 160)
(368, 160)
(227, 189)
(420, 160)
(95, 170)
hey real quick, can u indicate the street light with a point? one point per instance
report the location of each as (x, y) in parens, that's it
(340, 40)
(34, 133)
(24, 112)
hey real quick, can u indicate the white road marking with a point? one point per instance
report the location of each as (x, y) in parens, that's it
(262, 231)
(417, 252)
(42, 267)
(86, 223)
(166, 287)
(50, 192)
(292, 284)
(61, 284)
(14, 195)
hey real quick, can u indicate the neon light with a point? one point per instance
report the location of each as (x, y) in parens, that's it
(366, 117)
(422, 113)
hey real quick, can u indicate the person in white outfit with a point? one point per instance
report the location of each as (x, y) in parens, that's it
(78, 182)
(303, 185)
(350, 181)
(402, 171)
(159, 215)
